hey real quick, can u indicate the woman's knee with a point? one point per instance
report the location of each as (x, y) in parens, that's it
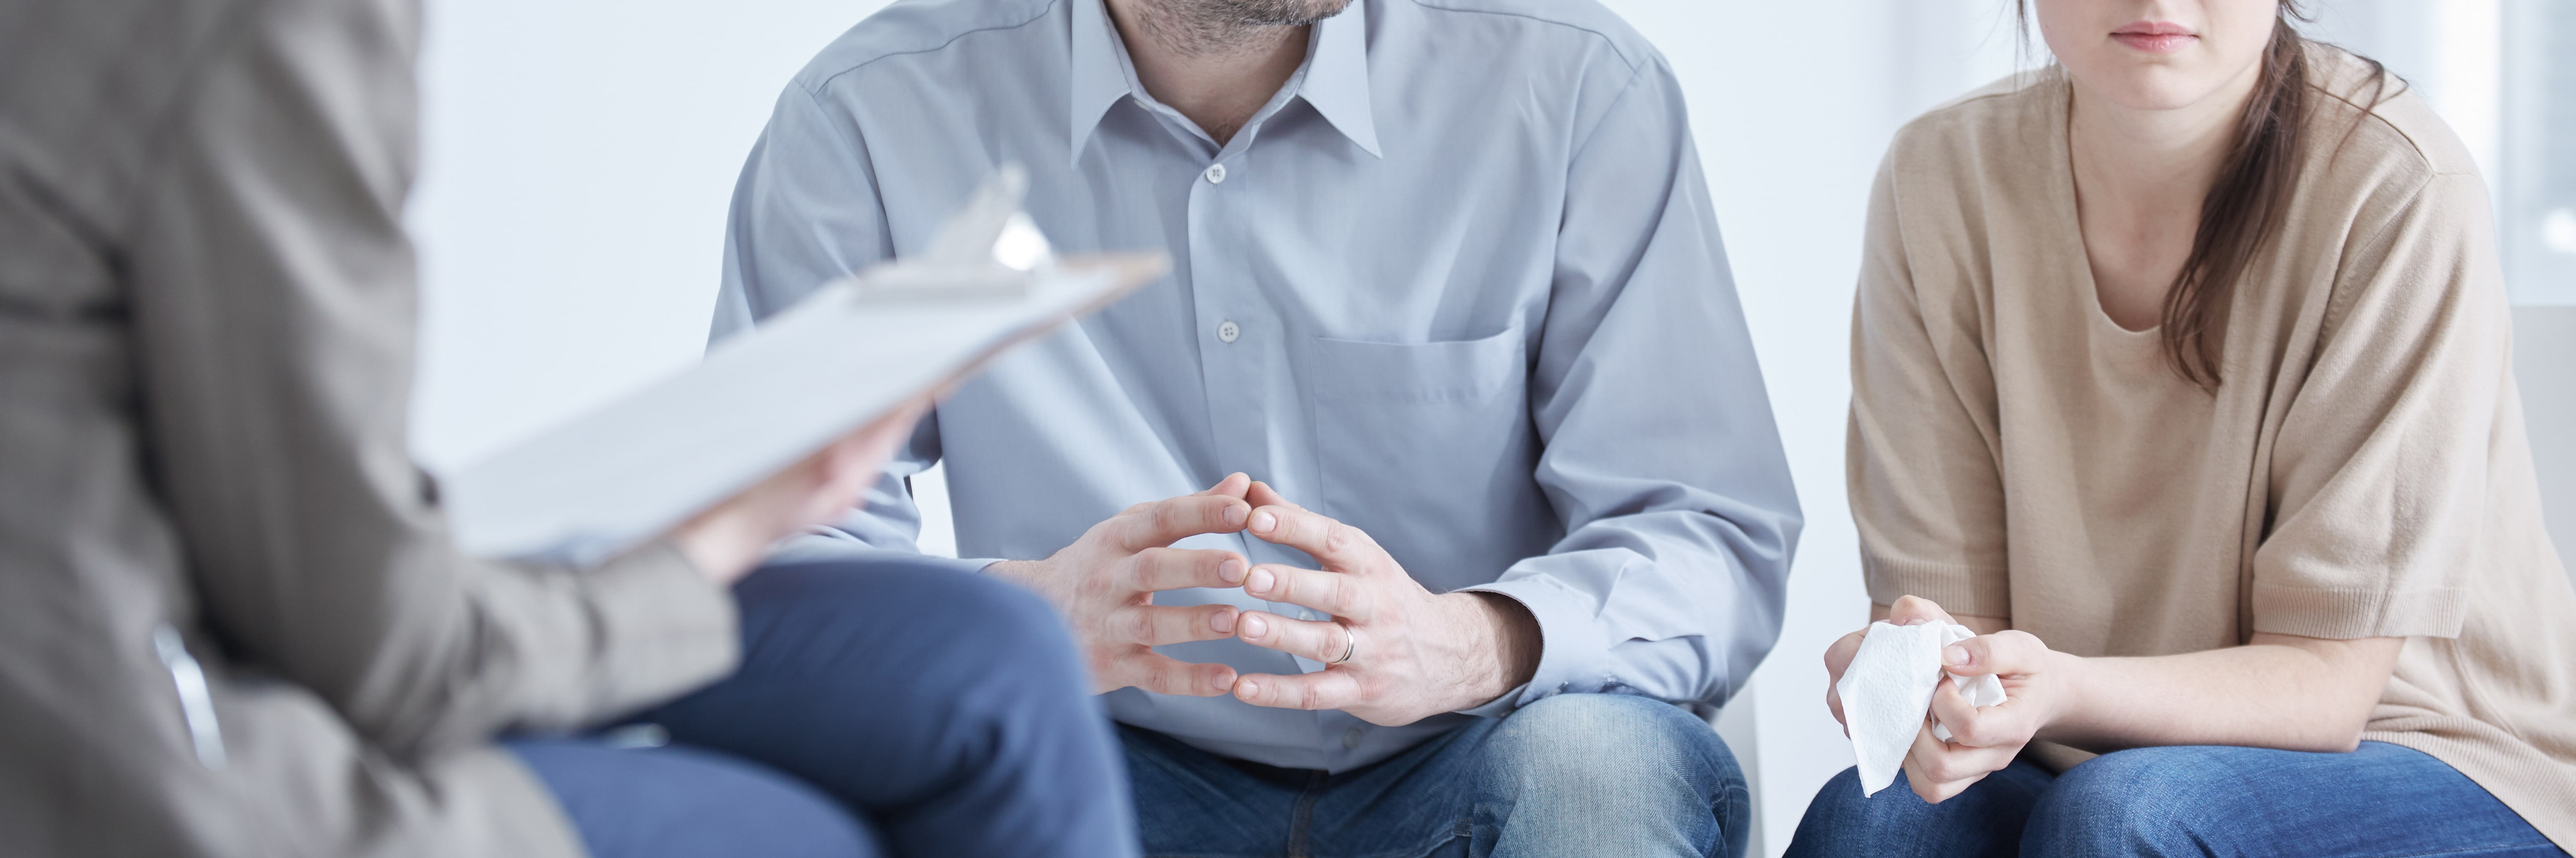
(904, 663)
(1011, 634)
(2146, 801)
(907, 614)
(1842, 821)
(680, 802)
(1986, 819)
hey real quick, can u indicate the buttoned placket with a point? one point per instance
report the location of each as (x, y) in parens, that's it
(1242, 346)
(1234, 353)
(1241, 343)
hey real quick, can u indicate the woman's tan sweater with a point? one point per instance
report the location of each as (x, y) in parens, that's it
(2361, 472)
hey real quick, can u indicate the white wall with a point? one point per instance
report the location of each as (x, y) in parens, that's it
(2446, 48)
(2544, 345)
(1790, 162)
(578, 156)
(580, 153)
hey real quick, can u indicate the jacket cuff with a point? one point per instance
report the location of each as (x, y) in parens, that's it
(664, 629)
(1573, 656)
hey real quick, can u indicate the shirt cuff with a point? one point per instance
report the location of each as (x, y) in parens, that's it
(819, 548)
(1573, 654)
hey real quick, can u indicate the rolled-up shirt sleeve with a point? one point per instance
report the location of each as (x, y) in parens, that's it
(1661, 457)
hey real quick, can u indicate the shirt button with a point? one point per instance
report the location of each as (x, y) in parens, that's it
(1227, 331)
(1351, 739)
(1216, 174)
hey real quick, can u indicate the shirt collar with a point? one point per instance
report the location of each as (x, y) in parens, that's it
(1099, 74)
(1335, 80)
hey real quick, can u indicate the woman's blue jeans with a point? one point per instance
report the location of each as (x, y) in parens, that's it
(2382, 801)
(884, 707)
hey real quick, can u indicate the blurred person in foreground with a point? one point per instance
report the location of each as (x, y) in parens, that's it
(1449, 316)
(2182, 375)
(231, 620)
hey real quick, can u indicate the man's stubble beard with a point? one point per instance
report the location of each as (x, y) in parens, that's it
(1265, 13)
(1226, 26)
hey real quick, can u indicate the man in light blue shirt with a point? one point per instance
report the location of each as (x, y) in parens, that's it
(1446, 275)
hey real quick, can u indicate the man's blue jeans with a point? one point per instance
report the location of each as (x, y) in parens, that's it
(881, 708)
(2382, 801)
(1571, 775)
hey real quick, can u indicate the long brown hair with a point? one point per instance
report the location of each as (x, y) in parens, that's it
(2247, 205)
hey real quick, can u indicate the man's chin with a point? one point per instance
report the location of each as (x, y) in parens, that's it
(1286, 13)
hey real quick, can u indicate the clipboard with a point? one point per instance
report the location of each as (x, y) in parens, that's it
(618, 476)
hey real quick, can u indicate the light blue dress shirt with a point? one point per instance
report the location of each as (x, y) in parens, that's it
(1458, 284)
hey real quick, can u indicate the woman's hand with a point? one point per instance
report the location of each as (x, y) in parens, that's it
(1984, 740)
(1908, 611)
(728, 539)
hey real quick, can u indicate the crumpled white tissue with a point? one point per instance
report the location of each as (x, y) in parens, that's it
(1888, 688)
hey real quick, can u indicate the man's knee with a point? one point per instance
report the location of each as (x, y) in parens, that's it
(1612, 744)
(1584, 773)
(2147, 801)
(1614, 730)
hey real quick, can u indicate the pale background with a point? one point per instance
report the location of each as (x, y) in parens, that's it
(580, 154)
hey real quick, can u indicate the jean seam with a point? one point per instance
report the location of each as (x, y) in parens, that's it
(2477, 850)
(1304, 814)
(2232, 768)
(2230, 764)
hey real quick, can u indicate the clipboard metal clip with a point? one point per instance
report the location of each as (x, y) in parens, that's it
(989, 250)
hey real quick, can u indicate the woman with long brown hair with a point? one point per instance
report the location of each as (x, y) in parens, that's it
(2181, 378)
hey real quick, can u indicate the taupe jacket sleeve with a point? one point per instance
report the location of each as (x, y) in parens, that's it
(1926, 493)
(273, 303)
(2380, 474)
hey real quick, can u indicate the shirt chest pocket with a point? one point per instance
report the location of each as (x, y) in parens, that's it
(1428, 446)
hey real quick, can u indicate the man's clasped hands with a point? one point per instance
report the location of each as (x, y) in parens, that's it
(1411, 653)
